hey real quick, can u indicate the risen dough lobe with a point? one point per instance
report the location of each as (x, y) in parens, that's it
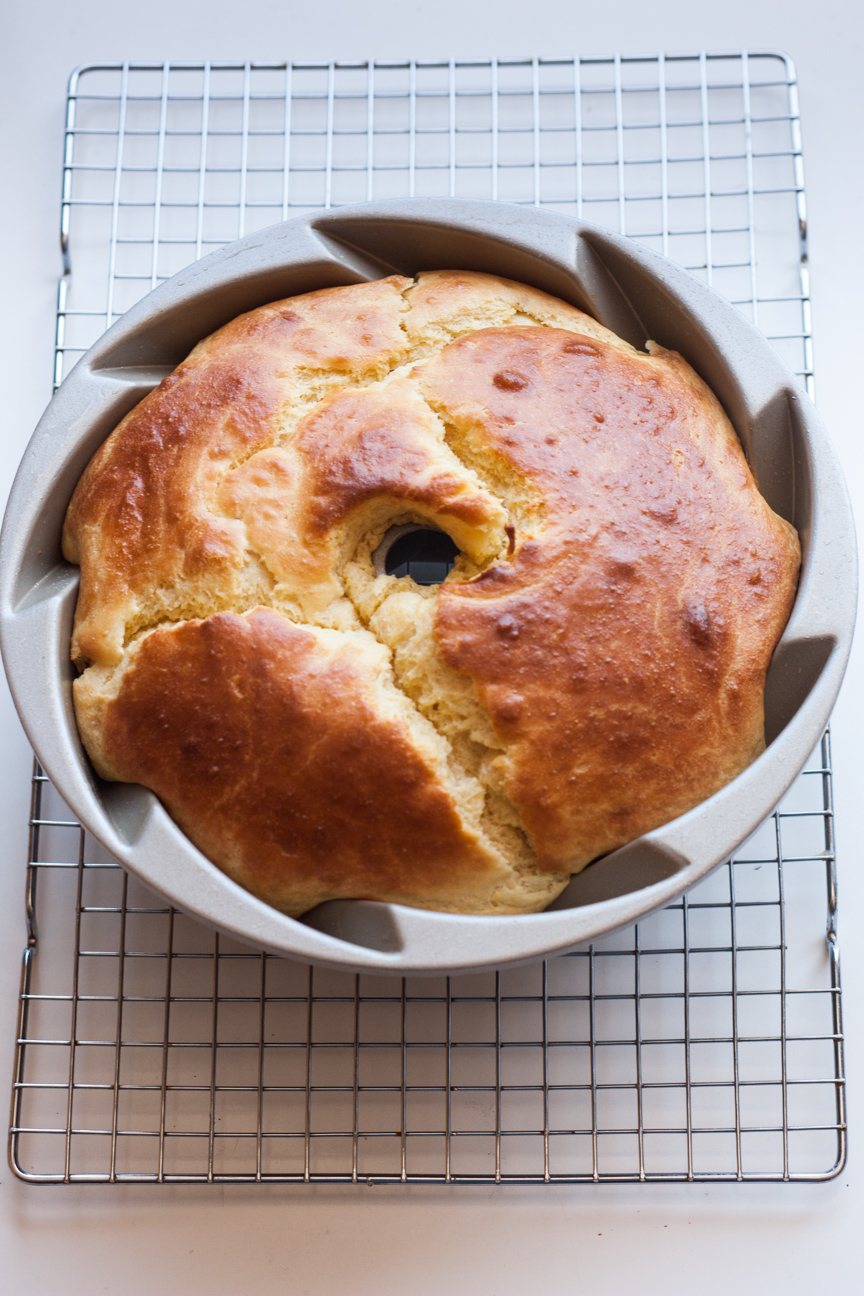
(593, 667)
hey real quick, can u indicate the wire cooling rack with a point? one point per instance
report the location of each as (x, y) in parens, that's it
(704, 1043)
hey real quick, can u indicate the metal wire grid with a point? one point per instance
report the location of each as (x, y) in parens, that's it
(705, 1043)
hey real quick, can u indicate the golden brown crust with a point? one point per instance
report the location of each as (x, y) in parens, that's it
(143, 521)
(289, 766)
(622, 651)
(444, 304)
(593, 667)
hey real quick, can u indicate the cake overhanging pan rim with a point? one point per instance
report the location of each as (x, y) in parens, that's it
(637, 293)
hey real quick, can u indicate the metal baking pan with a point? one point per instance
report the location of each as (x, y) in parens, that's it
(635, 292)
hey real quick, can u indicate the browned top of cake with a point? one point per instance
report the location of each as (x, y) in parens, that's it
(593, 666)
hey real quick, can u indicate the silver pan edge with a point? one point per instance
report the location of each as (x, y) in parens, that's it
(637, 293)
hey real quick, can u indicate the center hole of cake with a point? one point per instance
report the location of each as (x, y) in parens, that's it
(422, 552)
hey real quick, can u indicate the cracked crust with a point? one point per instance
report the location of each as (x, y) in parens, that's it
(260, 707)
(593, 666)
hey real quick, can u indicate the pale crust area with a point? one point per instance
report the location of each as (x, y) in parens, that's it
(593, 666)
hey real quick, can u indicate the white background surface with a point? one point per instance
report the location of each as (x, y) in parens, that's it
(487, 1242)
